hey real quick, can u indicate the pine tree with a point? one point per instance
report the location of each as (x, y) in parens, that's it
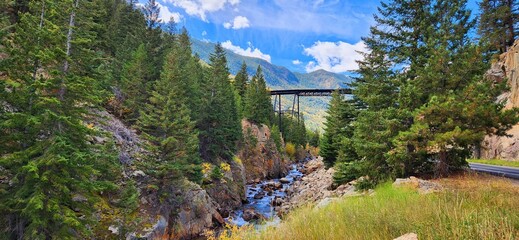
(151, 12)
(191, 72)
(133, 83)
(430, 39)
(338, 125)
(257, 107)
(47, 152)
(498, 23)
(166, 122)
(241, 79)
(219, 125)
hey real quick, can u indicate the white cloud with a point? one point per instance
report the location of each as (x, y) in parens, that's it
(238, 22)
(165, 14)
(334, 56)
(201, 7)
(296, 62)
(251, 51)
(343, 19)
(204, 33)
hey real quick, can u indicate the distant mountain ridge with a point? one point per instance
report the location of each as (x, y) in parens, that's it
(279, 77)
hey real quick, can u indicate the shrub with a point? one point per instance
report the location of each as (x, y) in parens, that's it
(237, 160)
(290, 149)
(225, 166)
(275, 135)
(216, 173)
(346, 172)
(206, 167)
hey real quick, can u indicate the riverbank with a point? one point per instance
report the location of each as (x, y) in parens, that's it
(471, 206)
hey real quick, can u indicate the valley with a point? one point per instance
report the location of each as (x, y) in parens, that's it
(155, 119)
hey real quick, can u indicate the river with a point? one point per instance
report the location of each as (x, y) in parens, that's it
(260, 199)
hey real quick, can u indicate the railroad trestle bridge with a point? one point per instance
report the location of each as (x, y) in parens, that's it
(295, 102)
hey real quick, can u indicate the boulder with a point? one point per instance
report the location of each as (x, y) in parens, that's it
(278, 201)
(409, 236)
(284, 180)
(325, 202)
(250, 214)
(422, 186)
(197, 213)
(315, 187)
(259, 195)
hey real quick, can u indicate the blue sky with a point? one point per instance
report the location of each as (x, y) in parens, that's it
(302, 35)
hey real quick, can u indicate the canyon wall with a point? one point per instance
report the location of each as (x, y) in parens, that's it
(505, 69)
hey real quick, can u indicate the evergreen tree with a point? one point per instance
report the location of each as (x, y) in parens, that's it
(341, 114)
(419, 51)
(498, 23)
(257, 107)
(151, 12)
(133, 83)
(241, 79)
(219, 124)
(47, 152)
(167, 123)
(191, 72)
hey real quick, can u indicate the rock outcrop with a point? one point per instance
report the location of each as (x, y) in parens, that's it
(197, 213)
(422, 186)
(186, 212)
(259, 155)
(315, 187)
(505, 69)
(229, 192)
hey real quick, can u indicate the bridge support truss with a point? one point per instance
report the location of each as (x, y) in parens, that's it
(298, 93)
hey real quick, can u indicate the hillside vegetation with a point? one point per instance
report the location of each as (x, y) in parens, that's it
(66, 68)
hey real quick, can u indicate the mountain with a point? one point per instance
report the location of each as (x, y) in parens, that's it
(278, 77)
(322, 79)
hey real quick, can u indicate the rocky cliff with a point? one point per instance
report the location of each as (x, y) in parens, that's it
(260, 156)
(505, 69)
(187, 212)
(189, 209)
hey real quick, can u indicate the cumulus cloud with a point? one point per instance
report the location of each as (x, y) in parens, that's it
(335, 57)
(251, 51)
(238, 22)
(166, 15)
(201, 7)
(296, 62)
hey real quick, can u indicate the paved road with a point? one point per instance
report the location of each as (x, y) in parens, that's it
(509, 172)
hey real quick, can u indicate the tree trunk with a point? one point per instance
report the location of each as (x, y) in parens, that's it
(71, 25)
(442, 167)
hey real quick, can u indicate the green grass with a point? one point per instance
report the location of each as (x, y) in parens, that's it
(497, 162)
(472, 207)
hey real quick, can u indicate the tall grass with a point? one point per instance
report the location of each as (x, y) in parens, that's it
(472, 207)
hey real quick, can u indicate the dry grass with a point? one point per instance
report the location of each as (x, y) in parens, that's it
(472, 207)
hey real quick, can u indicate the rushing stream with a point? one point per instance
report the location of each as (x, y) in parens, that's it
(260, 198)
